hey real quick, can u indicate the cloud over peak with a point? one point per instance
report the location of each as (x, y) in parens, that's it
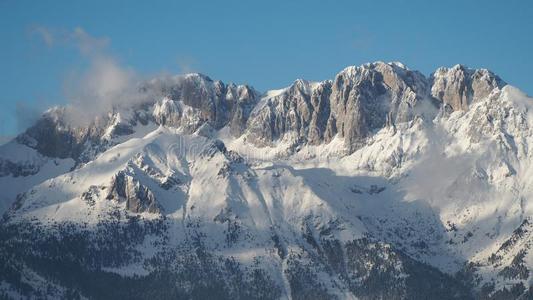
(103, 85)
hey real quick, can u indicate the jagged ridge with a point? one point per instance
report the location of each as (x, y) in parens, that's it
(424, 178)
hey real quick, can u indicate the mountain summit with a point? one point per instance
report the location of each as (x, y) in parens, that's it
(379, 183)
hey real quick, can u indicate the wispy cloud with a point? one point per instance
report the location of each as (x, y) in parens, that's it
(77, 37)
(104, 85)
(87, 44)
(45, 34)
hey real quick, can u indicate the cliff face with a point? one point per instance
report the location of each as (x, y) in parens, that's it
(357, 103)
(379, 183)
(459, 87)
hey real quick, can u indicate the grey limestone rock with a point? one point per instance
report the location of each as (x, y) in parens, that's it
(459, 86)
(137, 196)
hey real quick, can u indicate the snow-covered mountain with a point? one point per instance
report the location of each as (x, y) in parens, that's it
(379, 184)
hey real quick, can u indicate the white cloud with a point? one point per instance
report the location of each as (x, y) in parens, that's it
(104, 85)
(78, 37)
(88, 45)
(45, 34)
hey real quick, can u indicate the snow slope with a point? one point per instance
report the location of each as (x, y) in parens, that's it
(430, 191)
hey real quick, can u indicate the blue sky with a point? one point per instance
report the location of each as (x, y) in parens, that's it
(267, 44)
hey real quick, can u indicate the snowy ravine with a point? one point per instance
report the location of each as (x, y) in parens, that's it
(379, 184)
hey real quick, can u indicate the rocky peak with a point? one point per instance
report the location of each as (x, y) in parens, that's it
(53, 136)
(218, 103)
(359, 101)
(302, 108)
(189, 101)
(459, 86)
(368, 97)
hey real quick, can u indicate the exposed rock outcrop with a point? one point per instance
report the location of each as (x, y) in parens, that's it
(302, 109)
(137, 196)
(358, 102)
(217, 103)
(459, 86)
(368, 97)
